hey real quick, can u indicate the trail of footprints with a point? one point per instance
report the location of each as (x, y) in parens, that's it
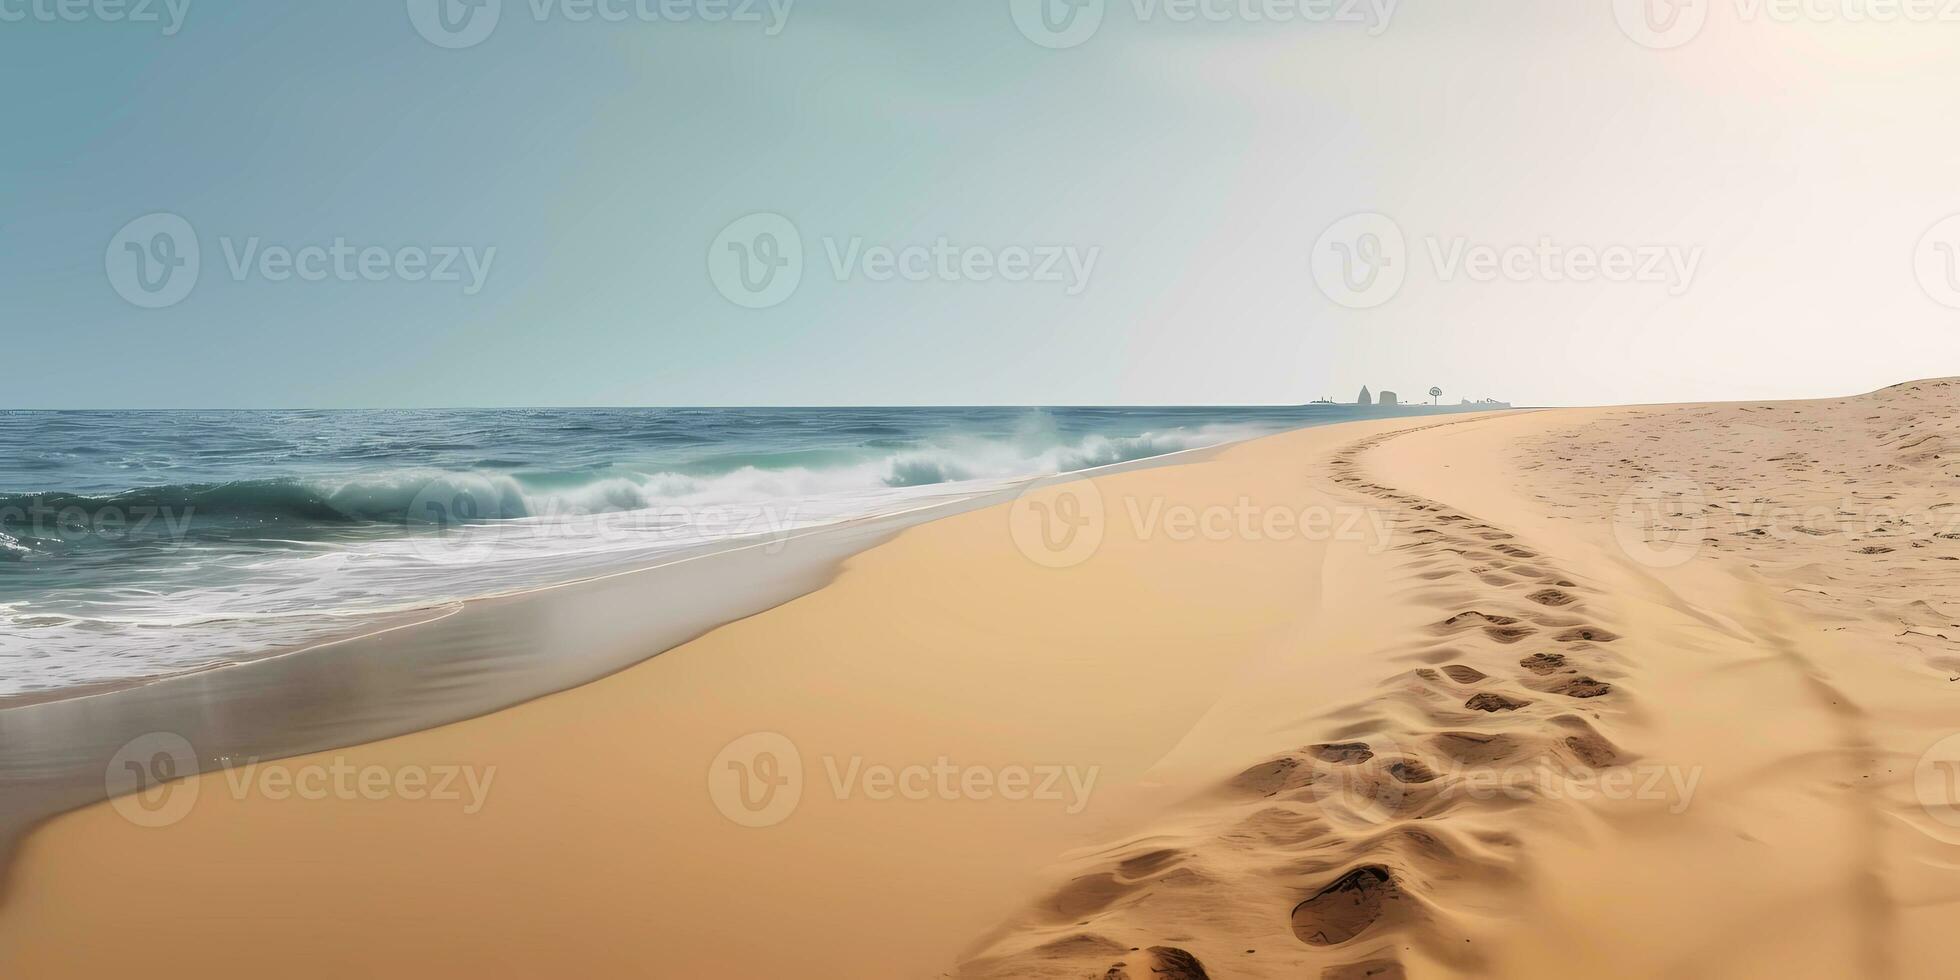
(1348, 838)
(1511, 679)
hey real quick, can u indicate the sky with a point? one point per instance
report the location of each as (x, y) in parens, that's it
(819, 202)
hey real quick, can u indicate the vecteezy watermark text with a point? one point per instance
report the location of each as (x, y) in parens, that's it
(758, 781)
(1673, 785)
(63, 520)
(170, 14)
(1063, 525)
(150, 781)
(1665, 24)
(465, 785)
(343, 262)
(1375, 780)
(467, 23)
(463, 518)
(1060, 24)
(1362, 260)
(156, 260)
(757, 261)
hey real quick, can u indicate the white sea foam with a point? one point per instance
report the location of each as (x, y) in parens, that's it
(213, 604)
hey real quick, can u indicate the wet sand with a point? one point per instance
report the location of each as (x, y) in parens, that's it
(430, 668)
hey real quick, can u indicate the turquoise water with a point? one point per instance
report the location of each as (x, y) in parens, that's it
(141, 543)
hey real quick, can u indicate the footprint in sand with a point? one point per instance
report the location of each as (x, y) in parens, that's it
(1590, 633)
(1271, 777)
(1411, 771)
(1552, 597)
(1346, 908)
(1592, 750)
(1160, 963)
(1582, 687)
(1474, 616)
(1476, 748)
(1147, 864)
(1365, 970)
(1342, 753)
(1543, 663)
(1489, 701)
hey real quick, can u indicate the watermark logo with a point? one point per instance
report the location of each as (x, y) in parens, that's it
(1061, 24)
(342, 261)
(1665, 24)
(1936, 262)
(1661, 24)
(1848, 11)
(148, 779)
(1647, 783)
(1660, 522)
(757, 260)
(1369, 785)
(463, 518)
(458, 519)
(169, 13)
(68, 523)
(1155, 517)
(757, 780)
(1058, 526)
(467, 785)
(1936, 781)
(1058, 24)
(1062, 526)
(154, 261)
(1672, 267)
(1377, 781)
(1361, 260)
(455, 24)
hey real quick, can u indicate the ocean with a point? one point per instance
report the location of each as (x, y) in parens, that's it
(135, 544)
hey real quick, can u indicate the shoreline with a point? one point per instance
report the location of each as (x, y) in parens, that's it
(260, 708)
(628, 738)
(169, 618)
(1489, 732)
(409, 616)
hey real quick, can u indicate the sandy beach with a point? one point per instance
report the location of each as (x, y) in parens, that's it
(1628, 692)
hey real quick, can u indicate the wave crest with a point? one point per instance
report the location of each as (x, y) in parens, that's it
(425, 496)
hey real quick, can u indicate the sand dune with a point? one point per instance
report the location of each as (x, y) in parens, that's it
(1529, 702)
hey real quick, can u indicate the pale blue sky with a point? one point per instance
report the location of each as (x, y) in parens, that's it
(1199, 160)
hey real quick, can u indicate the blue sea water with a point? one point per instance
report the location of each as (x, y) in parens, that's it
(135, 544)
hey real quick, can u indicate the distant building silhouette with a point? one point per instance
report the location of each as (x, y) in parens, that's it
(1366, 398)
(1387, 398)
